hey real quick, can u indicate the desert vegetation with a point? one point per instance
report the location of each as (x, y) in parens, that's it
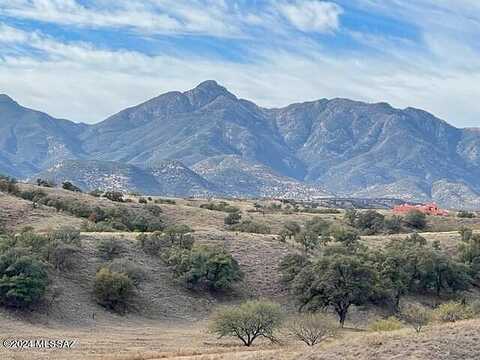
(280, 279)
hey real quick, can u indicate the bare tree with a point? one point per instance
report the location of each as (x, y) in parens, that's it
(312, 328)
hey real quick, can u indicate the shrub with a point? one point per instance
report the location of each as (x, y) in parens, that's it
(465, 214)
(416, 219)
(248, 321)
(317, 225)
(153, 209)
(67, 185)
(211, 266)
(96, 193)
(475, 306)
(103, 226)
(289, 230)
(369, 222)
(142, 200)
(393, 224)
(389, 324)
(320, 211)
(452, 311)
(232, 218)
(416, 316)
(62, 256)
(221, 206)
(165, 201)
(250, 226)
(33, 195)
(23, 279)
(9, 185)
(152, 243)
(116, 196)
(291, 265)
(113, 290)
(67, 235)
(133, 271)
(346, 236)
(308, 240)
(312, 328)
(180, 235)
(45, 183)
(109, 248)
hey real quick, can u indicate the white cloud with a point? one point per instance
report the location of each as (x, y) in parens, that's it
(438, 72)
(81, 82)
(210, 17)
(312, 15)
(9, 34)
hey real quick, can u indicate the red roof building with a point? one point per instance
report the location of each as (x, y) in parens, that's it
(427, 209)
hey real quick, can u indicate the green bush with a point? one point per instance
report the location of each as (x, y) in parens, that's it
(308, 240)
(320, 211)
(248, 321)
(392, 225)
(153, 243)
(165, 201)
(154, 209)
(142, 200)
(96, 193)
(116, 196)
(345, 236)
(67, 235)
(211, 266)
(221, 206)
(62, 256)
(475, 306)
(416, 219)
(113, 290)
(23, 279)
(465, 214)
(232, 218)
(46, 183)
(452, 311)
(250, 226)
(103, 226)
(180, 236)
(109, 248)
(67, 185)
(133, 271)
(9, 185)
(389, 324)
(35, 195)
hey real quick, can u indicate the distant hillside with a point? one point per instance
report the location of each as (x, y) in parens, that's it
(309, 149)
(168, 178)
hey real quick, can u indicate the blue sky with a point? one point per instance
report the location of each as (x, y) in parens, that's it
(84, 59)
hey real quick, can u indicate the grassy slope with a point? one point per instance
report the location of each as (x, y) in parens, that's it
(169, 320)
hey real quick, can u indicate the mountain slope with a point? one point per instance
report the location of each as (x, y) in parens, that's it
(31, 141)
(190, 127)
(167, 178)
(342, 146)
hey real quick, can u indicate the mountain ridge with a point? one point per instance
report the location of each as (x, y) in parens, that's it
(337, 146)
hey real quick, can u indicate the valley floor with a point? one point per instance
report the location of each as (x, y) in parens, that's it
(135, 340)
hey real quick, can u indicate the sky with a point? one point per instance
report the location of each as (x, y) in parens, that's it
(85, 60)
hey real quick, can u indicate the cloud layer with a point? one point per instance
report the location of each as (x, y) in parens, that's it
(85, 60)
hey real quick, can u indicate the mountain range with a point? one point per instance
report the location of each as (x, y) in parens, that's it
(206, 142)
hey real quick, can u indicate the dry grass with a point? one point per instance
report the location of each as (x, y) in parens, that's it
(168, 322)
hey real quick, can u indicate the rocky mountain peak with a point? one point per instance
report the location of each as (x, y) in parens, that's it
(5, 100)
(206, 92)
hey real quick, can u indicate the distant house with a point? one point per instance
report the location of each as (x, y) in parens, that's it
(427, 209)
